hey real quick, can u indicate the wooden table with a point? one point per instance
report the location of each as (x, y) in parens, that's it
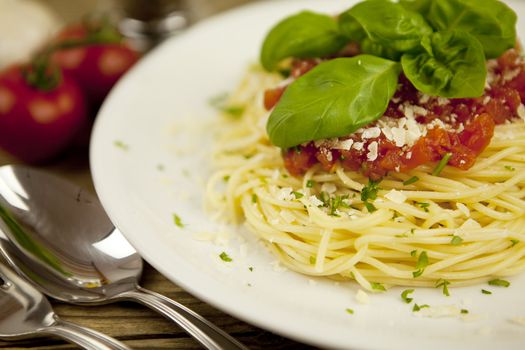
(135, 325)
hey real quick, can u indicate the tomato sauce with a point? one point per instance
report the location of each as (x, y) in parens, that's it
(461, 127)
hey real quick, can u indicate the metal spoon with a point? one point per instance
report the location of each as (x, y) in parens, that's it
(58, 236)
(26, 313)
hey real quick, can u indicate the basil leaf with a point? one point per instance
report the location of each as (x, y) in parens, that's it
(370, 47)
(304, 35)
(420, 6)
(451, 64)
(334, 99)
(385, 23)
(492, 22)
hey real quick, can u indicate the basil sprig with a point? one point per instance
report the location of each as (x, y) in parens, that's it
(333, 99)
(492, 22)
(448, 64)
(385, 23)
(442, 46)
(304, 35)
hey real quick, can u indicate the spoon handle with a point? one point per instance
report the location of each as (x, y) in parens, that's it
(84, 337)
(205, 332)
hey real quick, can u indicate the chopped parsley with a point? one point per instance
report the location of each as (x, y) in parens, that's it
(417, 307)
(370, 191)
(509, 168)
(226, 178)
(120, 144)
(405, 297)
(161, 167)
(349, 311)
(422, 263)
(411, 180)
(250, 268)
(423, 206)
(464, 311)
(335, 202)
(443, 283)
(484, 291)
(370, 207)
(377, 286)
(313, 260)
(456, 240)
(499, 282)
(310, 183)
(225, 257)
(254, 198)
(177, 220)
(441, 165)
(233, 110)
(514, 242)
(298, 195)
(413, 253)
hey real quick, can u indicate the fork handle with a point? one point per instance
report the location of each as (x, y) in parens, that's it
(202, 330)
(86, 338)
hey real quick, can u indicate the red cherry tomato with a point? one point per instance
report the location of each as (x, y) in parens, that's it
(36, 125)
(96, 64)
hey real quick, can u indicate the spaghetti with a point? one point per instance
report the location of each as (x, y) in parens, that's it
(411, 228)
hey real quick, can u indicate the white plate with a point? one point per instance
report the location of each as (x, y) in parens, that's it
(160, 111)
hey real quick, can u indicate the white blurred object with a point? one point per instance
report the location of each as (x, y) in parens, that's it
(25, 26)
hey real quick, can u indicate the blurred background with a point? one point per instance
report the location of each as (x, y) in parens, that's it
(30, 27)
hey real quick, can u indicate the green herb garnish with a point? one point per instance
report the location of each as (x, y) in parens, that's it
(484, 291)
(419, 307)
(422, 263)
(456, 240)
(405, 297)
(312, 260)
(120, 144)
(464, 311)
(369, 192)
(509, 168)
(411, 180)
(514, 242)
(441, 165)
(298, 195)
(423, 206)
(225, 257)
(377, 286)
(177, 220)
(443, 283)
(349, 311)
(310, 183)
(254, 198)
(499, 282)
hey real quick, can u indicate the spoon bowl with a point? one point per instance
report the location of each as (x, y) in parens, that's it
(58, 236)
(26, 313)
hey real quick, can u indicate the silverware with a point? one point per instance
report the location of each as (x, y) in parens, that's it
(59, 237)
(26, 313)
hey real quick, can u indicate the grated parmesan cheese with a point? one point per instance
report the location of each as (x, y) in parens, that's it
(344, 145)
(315, 201)
(362, 297)
(396, 196)
(372, 151)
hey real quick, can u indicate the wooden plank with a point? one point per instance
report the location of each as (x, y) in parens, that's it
(142, 328)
